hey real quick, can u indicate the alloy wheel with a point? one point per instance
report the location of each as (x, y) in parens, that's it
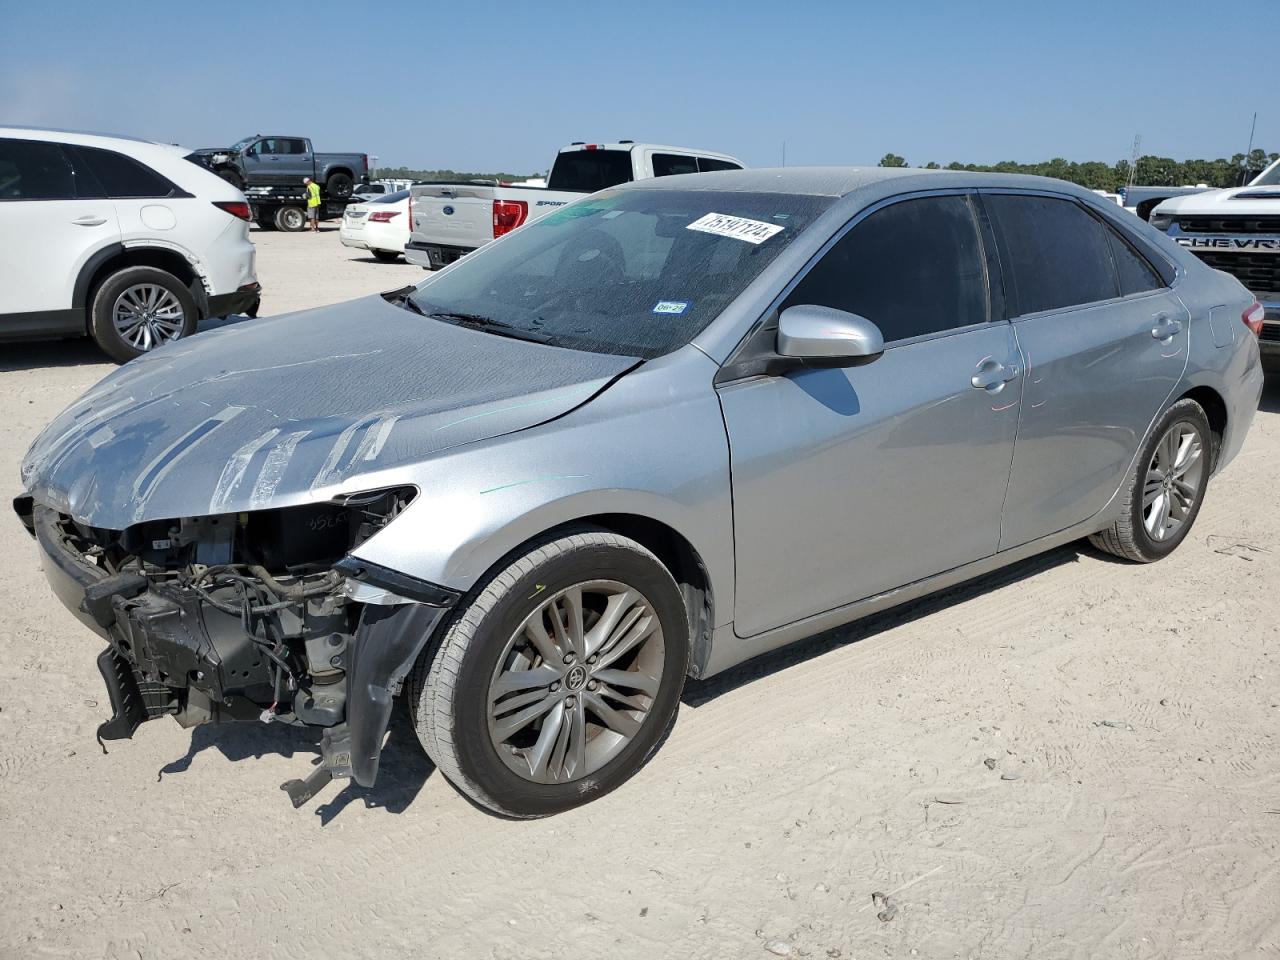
(576, 681)
(1173, 481)
(147, 315)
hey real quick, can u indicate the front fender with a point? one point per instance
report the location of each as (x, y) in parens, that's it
(615, 455)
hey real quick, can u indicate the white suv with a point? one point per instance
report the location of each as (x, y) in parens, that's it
(127, 241)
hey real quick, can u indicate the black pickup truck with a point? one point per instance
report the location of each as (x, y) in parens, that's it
(270, 161)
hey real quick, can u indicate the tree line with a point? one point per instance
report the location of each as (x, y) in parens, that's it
(1095, 175)
(446, 176)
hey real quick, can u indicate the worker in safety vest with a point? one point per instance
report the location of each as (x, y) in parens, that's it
(313, 203)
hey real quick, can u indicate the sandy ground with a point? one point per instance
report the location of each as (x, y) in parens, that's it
(1072, 758)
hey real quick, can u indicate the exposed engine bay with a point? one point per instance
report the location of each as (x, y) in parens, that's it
(250, 616)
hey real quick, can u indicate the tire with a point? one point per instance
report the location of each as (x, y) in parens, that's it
(452, 683)
(339, 186)
(231, 176)
(126, 291)
(290, 219)
(1132, 536)
(266, 223)
(386, 256)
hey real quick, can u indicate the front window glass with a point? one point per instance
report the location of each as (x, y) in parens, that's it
(622, 272)
(912, 268)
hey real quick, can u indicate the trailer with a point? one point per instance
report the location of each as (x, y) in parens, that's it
(285, 208)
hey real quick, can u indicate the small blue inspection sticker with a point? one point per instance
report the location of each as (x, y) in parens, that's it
(671, 306)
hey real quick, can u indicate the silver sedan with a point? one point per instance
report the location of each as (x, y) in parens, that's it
(651, 435)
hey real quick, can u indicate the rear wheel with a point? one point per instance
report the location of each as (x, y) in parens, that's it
(386, 256)
(339, 186)
(559, 678)
(291, 219)
(1165, 492)
(138, 309)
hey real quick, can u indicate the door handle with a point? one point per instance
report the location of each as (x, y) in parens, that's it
(1166, 327)
(89, 220)
(993, 375)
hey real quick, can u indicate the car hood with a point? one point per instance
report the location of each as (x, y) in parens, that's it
(294, 409)
(1246, 201)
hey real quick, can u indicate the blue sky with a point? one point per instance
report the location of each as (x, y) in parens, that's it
(486, 86)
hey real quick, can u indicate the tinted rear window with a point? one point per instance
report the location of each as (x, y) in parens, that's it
(708, 164)
(34, 170)
(121, 177)
(391, 197)
(586, 171)
(1055, 254)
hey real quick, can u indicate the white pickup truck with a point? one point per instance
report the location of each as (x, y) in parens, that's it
(449, 220)
(1236, 231)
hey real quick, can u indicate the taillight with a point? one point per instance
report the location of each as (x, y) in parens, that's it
(507, 215)
(1253, 318)
(364, 159)
(383, 216)
(237, 208)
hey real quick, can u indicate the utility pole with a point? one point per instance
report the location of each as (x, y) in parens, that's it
(1249, 149)
(784, 153)
(1133, 159)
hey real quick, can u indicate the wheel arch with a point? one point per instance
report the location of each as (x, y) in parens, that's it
(1215, 408)
(118, 257)
(672, 549)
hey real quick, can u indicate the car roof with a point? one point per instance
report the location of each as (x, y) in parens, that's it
(842, 181)
(83, 137)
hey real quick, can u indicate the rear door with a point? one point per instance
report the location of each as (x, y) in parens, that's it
(295, 158)
(50, 226)
(1104, 343)
(147, 205)
(849, 482)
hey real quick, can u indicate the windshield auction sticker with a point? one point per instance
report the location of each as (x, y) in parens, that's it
(740, 228)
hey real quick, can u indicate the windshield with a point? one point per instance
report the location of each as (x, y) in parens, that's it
(632, 272)
(241, 144)
(1269, 177)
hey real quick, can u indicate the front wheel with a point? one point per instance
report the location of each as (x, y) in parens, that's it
(137, 309)
(1167, 487)
(558, 679)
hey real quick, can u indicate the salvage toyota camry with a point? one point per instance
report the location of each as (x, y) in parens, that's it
(660, 431)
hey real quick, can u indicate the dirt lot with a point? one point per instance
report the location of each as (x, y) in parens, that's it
(1073, 758)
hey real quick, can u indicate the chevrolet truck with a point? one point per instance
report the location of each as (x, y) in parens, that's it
(1236, 231)
(260, 161)
(449, 220)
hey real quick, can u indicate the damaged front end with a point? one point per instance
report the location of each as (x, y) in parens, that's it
(250, 616)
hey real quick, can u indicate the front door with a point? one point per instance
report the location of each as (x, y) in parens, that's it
(850, 482)
(1104, 343)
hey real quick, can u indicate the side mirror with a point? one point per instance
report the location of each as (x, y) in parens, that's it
(827, 336)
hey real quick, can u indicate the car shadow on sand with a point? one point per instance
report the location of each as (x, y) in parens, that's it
(32, 355)
(698, 692)
(402, 771)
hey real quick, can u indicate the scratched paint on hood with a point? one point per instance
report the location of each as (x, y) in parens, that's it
(289, 409)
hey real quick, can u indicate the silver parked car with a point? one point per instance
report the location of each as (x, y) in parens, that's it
(657, 432)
